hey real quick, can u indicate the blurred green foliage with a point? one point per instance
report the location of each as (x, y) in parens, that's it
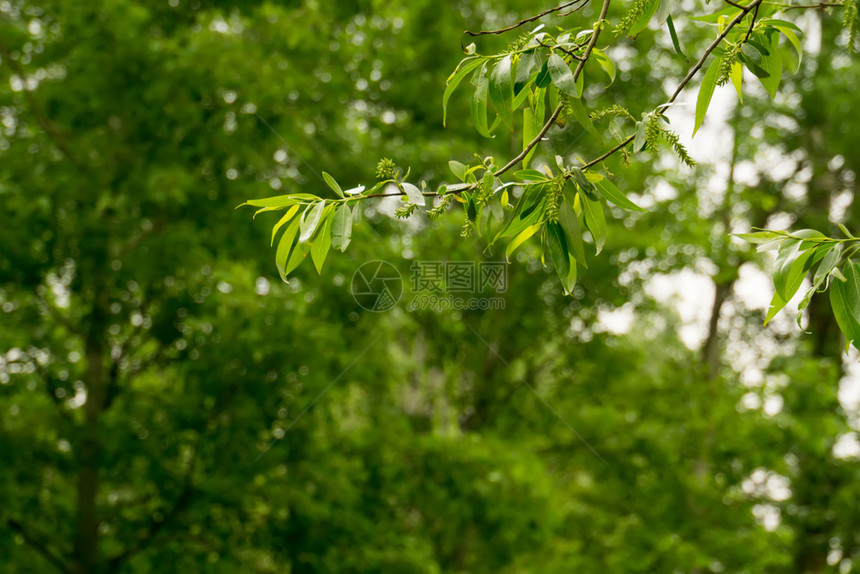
(167, 404)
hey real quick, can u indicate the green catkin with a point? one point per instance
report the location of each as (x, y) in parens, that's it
(385, 169)
(553, 200)
(655, 132)
(615, 111)
(632, 16)
(726, 65)
(851, 23)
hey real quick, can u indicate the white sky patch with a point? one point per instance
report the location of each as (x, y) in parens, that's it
(692, 294)
(617, 321)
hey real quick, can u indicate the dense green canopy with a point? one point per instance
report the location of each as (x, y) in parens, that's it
(168, 404)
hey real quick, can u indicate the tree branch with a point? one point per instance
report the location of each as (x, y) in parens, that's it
(44, 122)
(591, 43)
(46, 552)
(661, 110)
(531, 19)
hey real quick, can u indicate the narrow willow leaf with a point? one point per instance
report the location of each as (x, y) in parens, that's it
(529, 133)
(322, 242)
(664, 11)
(674, 35)
(523, 95)
(281, 201)
(458, 169)
(530, 175)
(561, 76)
(341, 228)
(845, 302)
(311, 220)
(790, 31)
(297, 256)
(479, 102)
(413, 193)
(502, 90)
(706, 91)
(606, 64)
(737, 76)
(595, 220)
(520, 239)
(581, 115)
(758, 236)
(608, 190)
(557, 245)
(291, 212)
(524, 71)
(776, 305)
(572, 231)
(828, 262)
(773, 64)
(463, 70)
(640, 139)
(332, 184)
(285, 246)
(543, 78)
(790, 273)
(643, 20)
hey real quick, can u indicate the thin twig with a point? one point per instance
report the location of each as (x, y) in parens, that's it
(566, 51)
(41, 548)
(819, 6)
(686, 79)
(527, 20)
(752, 23)
(598, 27)
(734, 4)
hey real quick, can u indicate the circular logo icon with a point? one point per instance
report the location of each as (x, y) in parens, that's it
(377, 286)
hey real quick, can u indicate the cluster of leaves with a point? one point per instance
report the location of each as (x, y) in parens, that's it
(538, 81)
(829, 264)
(755, 47)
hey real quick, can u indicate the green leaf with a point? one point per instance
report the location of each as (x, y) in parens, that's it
(643, 20)
(640, 140)
(529, 133)
(828, 262)
(790, 267)
(530, 175)
(674, 35)
(479, 102)
(322, 243)
(758, 236)
(572, 231)
(606, 64)
(608, 190)
(776, 305)
(845, 302)
(520, 239)
(772, 63)
(578, 110)
(454, 80)
(310, 220)
(706, 91)
(281, 201)
(285, 246)
(502, 91)
(297, 256)
(332, 184)
(664, 11)
(561, 75)
(543, 78)
(737, 77)
(458, 169)
(413, 193)
(341, 228)
(524, 71)
(595, 220)
(287, 216)
(790, 31)
(558, 254)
